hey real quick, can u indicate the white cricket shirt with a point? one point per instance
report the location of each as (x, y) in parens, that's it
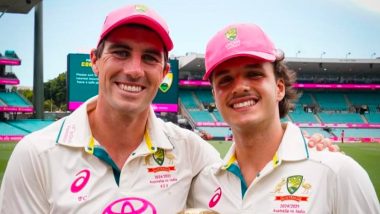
(62, 169)
(297, 180)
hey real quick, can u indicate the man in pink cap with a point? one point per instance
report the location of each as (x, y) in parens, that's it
(112, 155)
(269, 168)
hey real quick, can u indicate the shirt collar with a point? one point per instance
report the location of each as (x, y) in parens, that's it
(157, 132)
(229, 158)
(75, 130)
(293, 147)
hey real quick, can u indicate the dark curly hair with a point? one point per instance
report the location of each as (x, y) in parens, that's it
(281, 71)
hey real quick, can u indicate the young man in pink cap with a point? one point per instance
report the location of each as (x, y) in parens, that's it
(112, 155)
(269, 168)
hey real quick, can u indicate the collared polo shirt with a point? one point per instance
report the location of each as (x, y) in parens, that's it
(63, 169)
(297, 180)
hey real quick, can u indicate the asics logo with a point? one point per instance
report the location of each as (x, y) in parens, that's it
(215, 198)
(81, 181)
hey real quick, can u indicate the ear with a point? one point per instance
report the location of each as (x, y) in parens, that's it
(166, 70)
(280, 89)
(213, 92)
(93, 62)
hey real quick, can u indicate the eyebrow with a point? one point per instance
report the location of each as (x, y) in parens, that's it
(248, 66)
(118, 45)
(153, 51)
(257, 65)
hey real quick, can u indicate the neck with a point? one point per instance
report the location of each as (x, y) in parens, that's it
(255, 147)
(119, 134)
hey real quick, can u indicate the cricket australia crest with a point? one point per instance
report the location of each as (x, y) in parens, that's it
(293, 183)
(159, 156)
(231, 34)
(166, 82)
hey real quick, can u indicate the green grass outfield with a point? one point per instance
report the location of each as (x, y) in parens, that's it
(368, 155)
(5, 152)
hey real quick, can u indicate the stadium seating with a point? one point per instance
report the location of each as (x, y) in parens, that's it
(187, 99)
(373, 117)
(30, 125)
(10, 130)
(303, 117)
(331, 101)
(218, 116)
(364, 98)
(334, 108)
(340, 118)
(300, 116)
(306, 98)
(13, 99)
(201, 116)
(205, 96)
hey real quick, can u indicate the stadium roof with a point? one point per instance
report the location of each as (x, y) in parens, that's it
(334, 65)
(17, 6)
(194, 62)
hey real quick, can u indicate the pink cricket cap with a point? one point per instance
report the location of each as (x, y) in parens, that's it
(137, 14)
(235, 41)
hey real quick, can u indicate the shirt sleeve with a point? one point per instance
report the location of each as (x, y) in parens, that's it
(202, 153)
(194, 192)
(22, 188)
(355, 192)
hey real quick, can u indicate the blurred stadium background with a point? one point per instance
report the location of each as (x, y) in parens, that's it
(340, 99)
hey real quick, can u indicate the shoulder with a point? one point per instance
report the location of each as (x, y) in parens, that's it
(40, 140)
(212, 170)
(351, 183)
(336, 161)
(343, 166)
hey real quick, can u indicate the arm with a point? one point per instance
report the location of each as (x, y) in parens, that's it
(22, 189)
(355, 192)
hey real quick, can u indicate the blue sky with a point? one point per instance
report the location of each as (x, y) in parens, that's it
(309, 27)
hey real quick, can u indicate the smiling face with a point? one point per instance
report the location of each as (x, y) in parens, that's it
(246, 92)
(130, 69)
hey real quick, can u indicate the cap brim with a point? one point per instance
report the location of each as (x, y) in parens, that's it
(260, 56)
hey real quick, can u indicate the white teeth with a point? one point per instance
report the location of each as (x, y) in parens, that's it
(130, 88)
(244, 104)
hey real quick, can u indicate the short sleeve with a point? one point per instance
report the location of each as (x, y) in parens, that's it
(22, 188)
(355, 192)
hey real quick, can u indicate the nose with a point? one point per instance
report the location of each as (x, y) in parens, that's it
(241, 86)
(133, 67)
